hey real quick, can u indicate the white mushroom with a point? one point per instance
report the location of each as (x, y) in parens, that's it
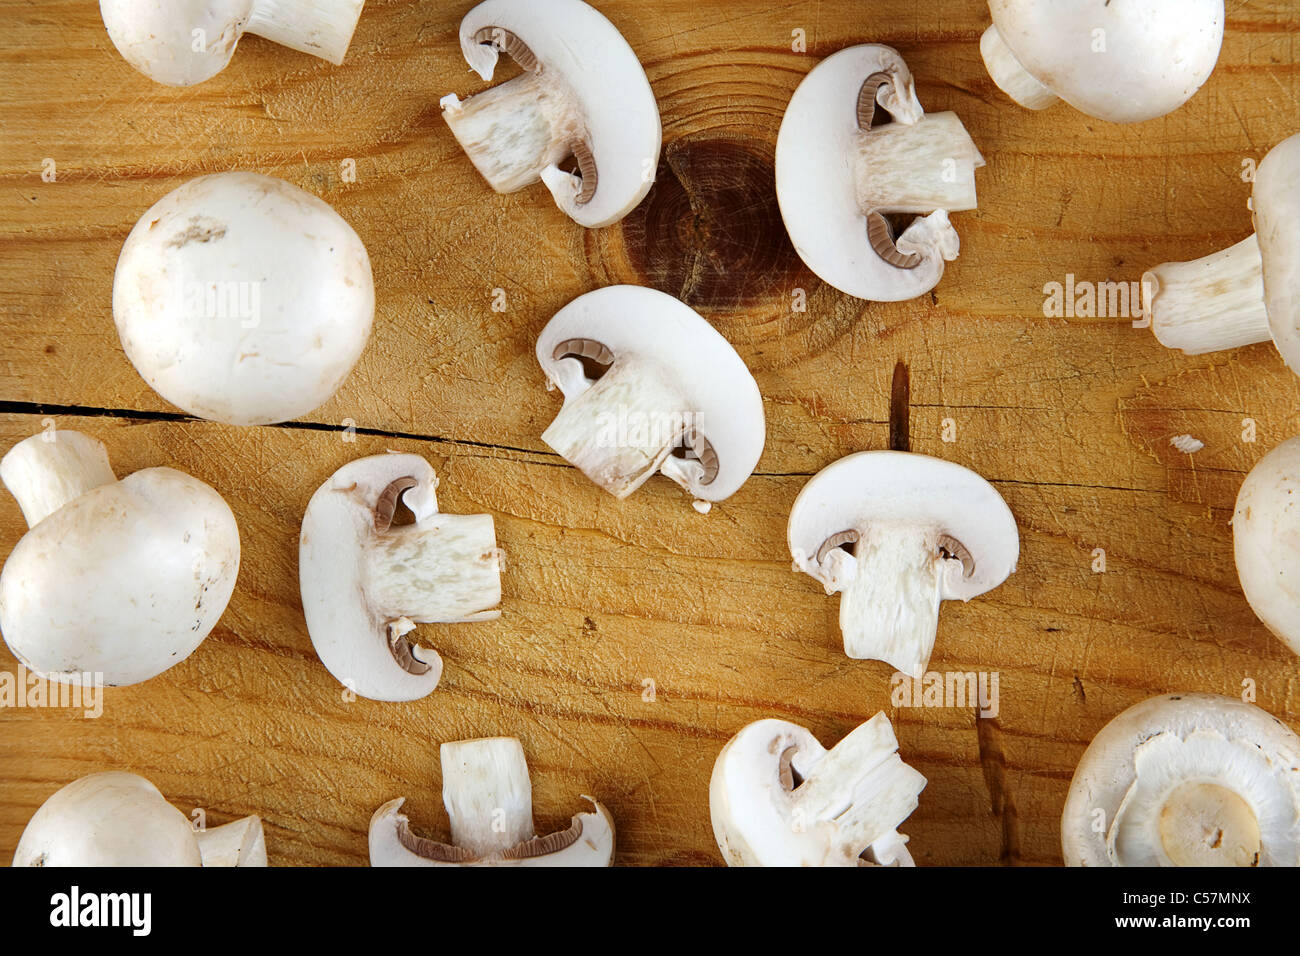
(1266, 537)
(243, 299)
(650, 386)
(582, 94)
(183, 42)
(367, 581)
(489, 800)
(779, 798)
(897, 534)
(1186, 780)
(121, 819)
(1121, 62)
(1244, 294)
(840, 174)
(122, 579)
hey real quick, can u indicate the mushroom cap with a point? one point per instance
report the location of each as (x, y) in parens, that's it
(1107, 773)
(575, 42)
(1277, 227)
(126, 580)
(157, 36)
(816, 186)
(904, 488)
(349, 634)
(652, 326)
(243, 299)
(1266, 540)
(108, 819)
(594, 845)
(1158, 52)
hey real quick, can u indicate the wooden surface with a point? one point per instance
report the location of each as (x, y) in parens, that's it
(1070, 419)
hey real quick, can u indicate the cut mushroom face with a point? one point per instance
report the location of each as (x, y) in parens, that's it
(582, 94)
(489, 798)
(779, 798)
(650, 386)
(897, 534)
(1121, 62)
(121, 819)
(1266, 537)
(243, 299)
(844, 173)
(367, 580)
(183, 42)
(122, 579)
(1248, 293)
(1186, 780)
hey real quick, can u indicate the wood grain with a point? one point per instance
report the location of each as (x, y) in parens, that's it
(1070, 418)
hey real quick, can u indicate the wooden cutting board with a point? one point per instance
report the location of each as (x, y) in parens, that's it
(1071, 419)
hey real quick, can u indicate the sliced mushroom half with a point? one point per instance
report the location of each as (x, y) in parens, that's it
(779, 798)
(582, 95)
(897, 534)
(650, 386)
(843, 172)
(367, 581)
(489, 800)
(1186, 780)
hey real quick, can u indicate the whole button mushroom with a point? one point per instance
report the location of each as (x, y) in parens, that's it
(1248, 293)
(1266, 538)
(366, 580)
(183, 42)
(897, 534)
(243, 299)
(777, 797)
(489, 800)
(649, 386)
(1121, 62)
(1186, 780)
(582, 94)
(122, 579)
(840, 175)
(121, 819)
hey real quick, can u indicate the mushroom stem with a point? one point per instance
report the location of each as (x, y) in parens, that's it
(862, 785)
(488, 794)
(1012, 78)
(320, 28)
(621, 429)
(1209, 304)
(1205, 824)
(514, 131)
(445, 569)
(889, 605)
(238, 843)
(917, 168)
(48, 470)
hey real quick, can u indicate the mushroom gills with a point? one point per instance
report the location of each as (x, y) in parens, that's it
(891, 587)
(625, 426)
